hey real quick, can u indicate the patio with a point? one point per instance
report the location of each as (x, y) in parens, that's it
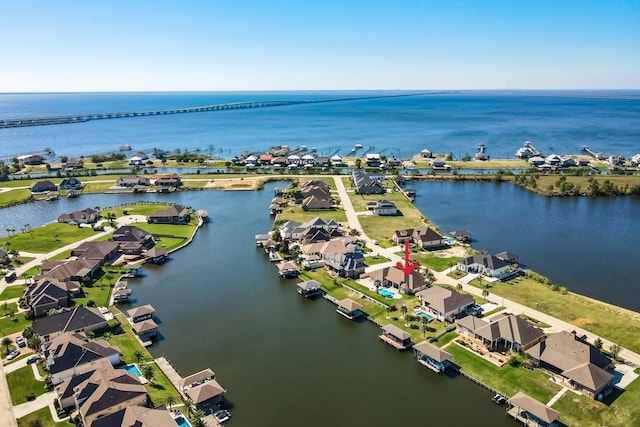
(479, 349)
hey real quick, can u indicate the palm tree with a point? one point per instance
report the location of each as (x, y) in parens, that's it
(614, 350)
(377, 283)
(148, 372)
(6, 342)
(425, 328)
(171, 400)
(138, 355)
(404, 310)
(197, 418)
(388, 311)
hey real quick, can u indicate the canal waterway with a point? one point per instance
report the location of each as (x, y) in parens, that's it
(587, 244)
(284, 360)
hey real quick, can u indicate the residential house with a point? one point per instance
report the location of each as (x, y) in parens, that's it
(137, 416)
(71, 350)
(71, 270)
(432, 356)
(349, 308)
(382, 207)
(174, 214)
(297, 197)
(70, 184)
(537, 161)
(401, 236)
(462, 236)
(138, 314)
(574, 363)
(292, 230)
(85, 216)
(315, 203)
(146, 330)
(43, 186)
(279, 161)
(45, 295)
(104, 252)
(443, 303)
(203, 389)
(168, 180)
(487, 264)
(98, 390)
(73, 163)
(365, 184)
(264, 160)
(426, 153)
(78, 319)
(427, 238)
(350, 264)
(321, 162)
(294, 160)
(307, 159)
(130, 233)
(31, 159)
(553, 160)
(503, 332)
(336, 160)
(393, 277)
(373, 160)
(131, 181)
(530, 412)
(338, 245)
(395, 337)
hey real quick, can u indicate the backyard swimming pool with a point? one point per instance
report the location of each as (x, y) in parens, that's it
(425, 315)
(182, 422)
(133, 370)
(386, 293)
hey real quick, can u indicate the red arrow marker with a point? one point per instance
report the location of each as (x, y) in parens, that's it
(408, 266)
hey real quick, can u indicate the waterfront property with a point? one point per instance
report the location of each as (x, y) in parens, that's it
(350, 264)
(530, 412)
(489, 265)
(121, 292)
(382, 207)
(309, 288)
(501, 333)
(174, 214)
(431, 356)
(84, 216)
(136, 416)
(138, 314)
(393, 277)
(365, 184)
(203, 389)
(444, 303)
(427, 238)
(46, 294)
(574, 363)
(43, 187)
(79, 319)
(395, 337)
(349, 308)
(288, 270)
(155, 255)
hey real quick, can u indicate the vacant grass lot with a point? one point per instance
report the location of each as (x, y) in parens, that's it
(14, 196)
(295, 213)
(604, 320)
(47, 238)
(97, 187)
(145, 209)
(434, 262)
(21, 383)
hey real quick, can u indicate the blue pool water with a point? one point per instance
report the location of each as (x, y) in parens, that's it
(133, 369)
(425, 315)
(385, 293)
(182, 422)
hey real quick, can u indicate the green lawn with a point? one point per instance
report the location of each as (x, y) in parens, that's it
(41, 418)
(21, 383)
(508, 379)
(13, 197)
(457, 274)
(98, 293)
(584, 412)
(373, 260)
(607, 321)
(64, 255)
(10, 292)
(295, 213)
(145, 209)
(434, 262)
(381, 228)
(175, 230)
(10, 306)
(446, 338)
(97, 187)
(10, 326)
(46, 238)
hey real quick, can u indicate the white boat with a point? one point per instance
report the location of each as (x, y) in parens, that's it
(527, 151)
(125, 147)
(134, 272)
(358, 146)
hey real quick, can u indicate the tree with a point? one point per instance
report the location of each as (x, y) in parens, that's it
(90, 334)
(197, 418)
(485, 293)
(148, 372)
(459, 286)
(6, 342)
(171, 400)
(403, 310)
(138, 356)
(425, 328)
(614, 350)
(388, 311)
(598, 343)
(34, 342)
(377, 283)
(358, 163)
(5, 308)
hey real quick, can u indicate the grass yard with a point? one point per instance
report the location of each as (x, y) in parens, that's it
(10, 292)
(13, 197)
(175, 230)
(584, 412)
(9, 306)
(382, 227)
(434, 262)
(446, 338)
(21, 383)
(457, 274)
(98, 293)
(295, 213)
(67, 254)
(607, 321)
(47, 238)
(10, 326)
(145, 209)
(508, 379)
(41, 418)
(376, 259)
(97, 187)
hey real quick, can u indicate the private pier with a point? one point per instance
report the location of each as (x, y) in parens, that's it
(82, 118)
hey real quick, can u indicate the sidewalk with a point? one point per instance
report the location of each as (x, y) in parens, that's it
(39, 403)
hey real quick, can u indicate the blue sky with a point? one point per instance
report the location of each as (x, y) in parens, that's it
(160, 45)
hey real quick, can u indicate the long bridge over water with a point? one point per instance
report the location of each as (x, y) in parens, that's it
(82, 118)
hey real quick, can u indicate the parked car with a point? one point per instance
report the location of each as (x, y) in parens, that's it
(13, 354)
(20, 341)
(33, 359)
